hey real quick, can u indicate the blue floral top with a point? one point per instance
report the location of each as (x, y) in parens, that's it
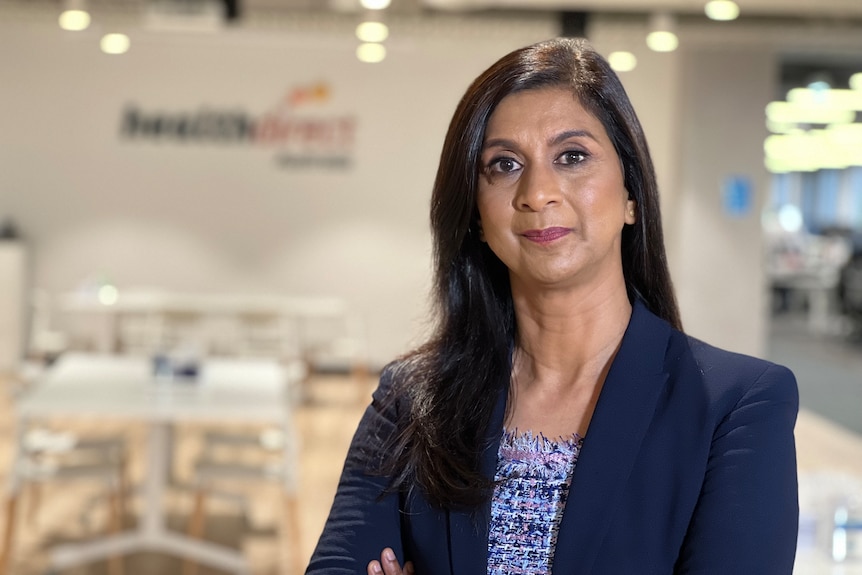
(533, 479)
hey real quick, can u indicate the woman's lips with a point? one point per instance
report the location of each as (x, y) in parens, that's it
(546, 235)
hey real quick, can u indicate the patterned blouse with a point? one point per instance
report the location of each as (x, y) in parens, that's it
(533, 479)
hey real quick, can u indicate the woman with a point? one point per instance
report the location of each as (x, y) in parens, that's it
(559, 420)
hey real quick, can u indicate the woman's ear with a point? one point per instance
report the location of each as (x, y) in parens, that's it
(481, 231)
(631, 212)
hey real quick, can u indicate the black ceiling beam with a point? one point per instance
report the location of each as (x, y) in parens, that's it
(231, 9)
(574, 24)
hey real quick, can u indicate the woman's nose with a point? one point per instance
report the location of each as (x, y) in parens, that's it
(538, 187)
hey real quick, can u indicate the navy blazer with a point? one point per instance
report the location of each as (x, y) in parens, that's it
(688, 466)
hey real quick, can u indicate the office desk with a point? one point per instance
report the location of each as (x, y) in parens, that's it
(121, 387)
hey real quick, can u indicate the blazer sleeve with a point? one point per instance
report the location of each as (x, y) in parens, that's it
(746, 517)
(364, 518)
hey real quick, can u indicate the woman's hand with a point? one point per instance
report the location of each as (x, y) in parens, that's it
(388, 565)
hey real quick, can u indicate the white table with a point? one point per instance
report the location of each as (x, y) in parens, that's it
(106, 386)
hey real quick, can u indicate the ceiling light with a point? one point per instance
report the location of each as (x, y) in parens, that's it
(375, 4)
(371, 53)
(74, 16)
(790, 218)
(74, 20)
(783, 127)
(856, 81)
(779, 166)
(662, 37)
(108, 294)
(372, 31)
(662, 41)
(791, 113)
(622, 61)
(115, 43)
(837, 99)
(721, 10)
(833, 148)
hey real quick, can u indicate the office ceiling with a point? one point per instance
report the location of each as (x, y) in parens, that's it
(805, 9)
(788, 8)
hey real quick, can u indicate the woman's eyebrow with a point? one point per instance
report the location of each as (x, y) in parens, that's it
(498, 143)
(563, 136)
(558, 139)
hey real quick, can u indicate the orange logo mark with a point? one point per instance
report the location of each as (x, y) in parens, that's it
(316, 93)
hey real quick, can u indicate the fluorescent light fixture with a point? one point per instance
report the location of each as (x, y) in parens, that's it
(372, 31)
(662, 37)
(75, 20)
(371, 53)
(776, 146)
(782, 127)
(622, 61)
(833, 148)
(790, 113)
(846, 135)
(836, 99)
(115, 43)
(722, 10)
(778, 167)
(375, 4)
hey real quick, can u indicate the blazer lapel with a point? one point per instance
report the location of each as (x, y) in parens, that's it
(468, 531)
(618, 426)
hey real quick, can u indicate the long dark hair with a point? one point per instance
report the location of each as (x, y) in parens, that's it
(454, 380)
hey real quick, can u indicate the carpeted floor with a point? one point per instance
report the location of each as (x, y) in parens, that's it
(828, 369)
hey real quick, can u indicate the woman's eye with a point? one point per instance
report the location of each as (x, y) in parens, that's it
(572, 157)
(503, 165)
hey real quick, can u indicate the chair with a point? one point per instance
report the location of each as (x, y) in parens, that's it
(55, 456)
(335, 342)
(265, 334)
(44, 455)
(278, 447)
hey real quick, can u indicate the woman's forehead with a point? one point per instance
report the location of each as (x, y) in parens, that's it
(544, 109)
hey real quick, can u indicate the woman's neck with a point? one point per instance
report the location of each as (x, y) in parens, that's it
(568, 337)
(564, 350)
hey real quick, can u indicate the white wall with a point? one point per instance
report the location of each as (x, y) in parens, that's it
(721, 281)
(222, 217)
(11, 304)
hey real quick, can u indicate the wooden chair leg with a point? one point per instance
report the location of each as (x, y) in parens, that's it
(196, 528)
(33, 501)
(123, 491)
(291, 535)
(8, 534)
(359, 371)
(115, 524)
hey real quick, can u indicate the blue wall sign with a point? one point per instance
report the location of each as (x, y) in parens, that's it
(737, 196)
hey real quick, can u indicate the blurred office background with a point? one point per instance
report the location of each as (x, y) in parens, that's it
(251, 178)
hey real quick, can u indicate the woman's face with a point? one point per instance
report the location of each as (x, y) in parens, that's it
(551, 199)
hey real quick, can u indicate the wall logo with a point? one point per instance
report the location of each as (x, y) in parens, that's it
(298, 128)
